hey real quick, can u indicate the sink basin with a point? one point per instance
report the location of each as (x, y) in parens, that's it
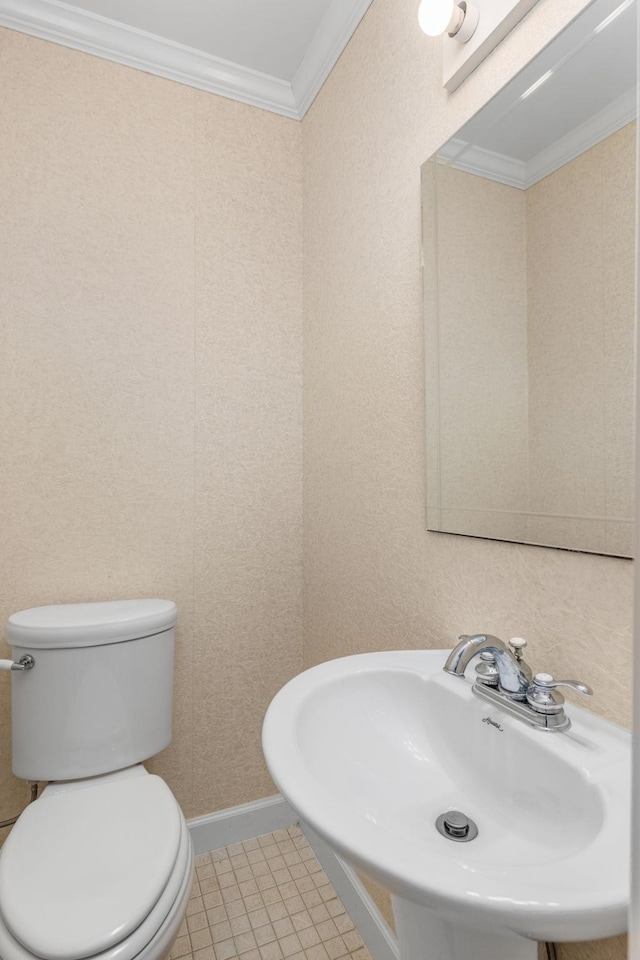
(370, 750)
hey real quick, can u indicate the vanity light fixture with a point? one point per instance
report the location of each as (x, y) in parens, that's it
(474, 30)
(457, 18)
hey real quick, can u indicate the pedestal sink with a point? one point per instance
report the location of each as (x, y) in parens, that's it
(371, 750)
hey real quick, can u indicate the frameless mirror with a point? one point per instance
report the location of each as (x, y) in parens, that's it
(529, 267)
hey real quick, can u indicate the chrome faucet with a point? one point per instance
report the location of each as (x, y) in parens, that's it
(503, 678)
(511, 678)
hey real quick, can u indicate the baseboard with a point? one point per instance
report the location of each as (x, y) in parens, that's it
(250, 820)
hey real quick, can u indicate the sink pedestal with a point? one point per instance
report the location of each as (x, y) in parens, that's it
(422, 935)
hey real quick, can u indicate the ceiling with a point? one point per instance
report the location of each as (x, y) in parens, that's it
(274, 54)
(269, 37)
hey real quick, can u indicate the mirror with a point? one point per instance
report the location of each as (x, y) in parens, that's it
(529, 266)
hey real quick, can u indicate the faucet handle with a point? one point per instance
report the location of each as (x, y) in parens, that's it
(546, 680)
(541, 695)
(487, 670)
(517, 644)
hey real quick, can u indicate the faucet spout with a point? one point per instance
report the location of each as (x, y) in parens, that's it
(512, 680)
(467, 648)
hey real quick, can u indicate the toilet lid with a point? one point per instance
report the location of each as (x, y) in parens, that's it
(82, 869)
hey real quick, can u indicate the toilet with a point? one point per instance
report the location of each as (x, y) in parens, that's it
(101, 865)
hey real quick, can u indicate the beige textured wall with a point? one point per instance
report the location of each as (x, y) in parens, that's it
(374, 579)
(150, 385)
(580, 274)
(149, 404)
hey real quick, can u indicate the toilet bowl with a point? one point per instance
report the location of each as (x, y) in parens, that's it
(101, 865)
(99, 868)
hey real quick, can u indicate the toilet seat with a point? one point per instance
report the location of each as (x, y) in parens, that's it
(121, 905)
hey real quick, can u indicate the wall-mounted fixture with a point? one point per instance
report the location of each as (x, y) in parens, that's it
(457, 19)
(472, 32)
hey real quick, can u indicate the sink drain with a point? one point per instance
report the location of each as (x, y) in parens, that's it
(455, 825)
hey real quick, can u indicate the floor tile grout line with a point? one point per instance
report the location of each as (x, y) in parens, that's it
(296, 924)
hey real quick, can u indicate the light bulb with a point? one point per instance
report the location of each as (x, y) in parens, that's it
(458, 18)
(435, 16)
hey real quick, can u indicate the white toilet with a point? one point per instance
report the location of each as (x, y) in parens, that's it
(101, 865)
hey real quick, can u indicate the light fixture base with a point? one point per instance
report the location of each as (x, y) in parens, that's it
(498, 18)
(467, 22)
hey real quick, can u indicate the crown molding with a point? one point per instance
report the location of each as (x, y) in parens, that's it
(90, 33)
(484, 163)
(617, 115)
(515, 173)
(336, 29)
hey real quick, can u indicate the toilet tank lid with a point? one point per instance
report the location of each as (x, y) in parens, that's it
(90, 624)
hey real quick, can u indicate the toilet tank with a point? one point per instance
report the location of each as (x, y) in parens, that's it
(99, 697)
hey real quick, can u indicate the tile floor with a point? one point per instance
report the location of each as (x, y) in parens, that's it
(266, 899)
